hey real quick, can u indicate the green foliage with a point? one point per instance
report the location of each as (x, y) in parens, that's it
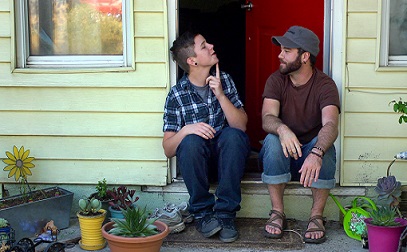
(89, 206)
(135, 224)
(401, 108)
(3, 223)
(384, 216)
(101, 189)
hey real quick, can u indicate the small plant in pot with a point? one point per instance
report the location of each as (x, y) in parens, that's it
(91, 217)
(386, 224)
(135, 233)
(121, 198)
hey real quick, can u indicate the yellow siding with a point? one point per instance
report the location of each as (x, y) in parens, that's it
(371, 134)
(86, 124)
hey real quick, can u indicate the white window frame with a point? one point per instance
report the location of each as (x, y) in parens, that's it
(385, 59)
(24, 60)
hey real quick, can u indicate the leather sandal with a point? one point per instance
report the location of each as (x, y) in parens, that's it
(319, 228)
(277, 215)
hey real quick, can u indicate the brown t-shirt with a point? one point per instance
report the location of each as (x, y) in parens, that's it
(300, 107)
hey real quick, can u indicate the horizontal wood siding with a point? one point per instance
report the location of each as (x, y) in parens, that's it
(82, 126)
(371, 134)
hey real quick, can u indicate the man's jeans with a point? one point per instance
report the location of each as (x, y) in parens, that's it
(278, 169)
(225, 156)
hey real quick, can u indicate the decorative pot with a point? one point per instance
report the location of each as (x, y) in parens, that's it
(115, 213)
(151, 243)
(91, 234)
(28, 219)
(383, 238)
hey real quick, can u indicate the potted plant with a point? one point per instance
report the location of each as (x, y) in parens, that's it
(121, 198)
(6, 233)
(29, 211)
(135, 233)
(384, 229)
(91, 216)
(102, 195)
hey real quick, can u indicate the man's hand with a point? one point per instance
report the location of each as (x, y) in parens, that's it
(289, 142)
(214, 83)
(201, 129)
(310, 170)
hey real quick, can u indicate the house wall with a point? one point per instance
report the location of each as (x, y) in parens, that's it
(83, 126)
(371, 134)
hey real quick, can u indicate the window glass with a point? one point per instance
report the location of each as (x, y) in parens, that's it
(73, 33)
(398, 28)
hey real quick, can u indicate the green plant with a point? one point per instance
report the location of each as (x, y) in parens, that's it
(101, 189)
(89, 206)
(3, 223)
(122, 198)
(135, 224)
(389, 192)
(401, 108)
(384, 216)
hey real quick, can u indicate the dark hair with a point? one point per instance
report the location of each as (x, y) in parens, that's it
(312, 58)
(183, 48)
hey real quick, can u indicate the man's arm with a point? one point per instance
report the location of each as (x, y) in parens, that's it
(272, 124)
(326, 138)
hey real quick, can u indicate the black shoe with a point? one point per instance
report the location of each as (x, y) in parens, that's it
(208, 226)
(229, 232)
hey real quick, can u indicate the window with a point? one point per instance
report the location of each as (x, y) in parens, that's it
(393, 51)
(73, 33)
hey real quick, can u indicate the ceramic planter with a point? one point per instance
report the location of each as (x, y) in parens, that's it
(383, 238)
(91, 234)
(28, 219)
(151, 243)
(117, 214)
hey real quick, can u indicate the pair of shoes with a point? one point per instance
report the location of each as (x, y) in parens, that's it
(319, 228)
(208, 225)
(172, 219)
(182, 208)
(277, 215)
(229, 232)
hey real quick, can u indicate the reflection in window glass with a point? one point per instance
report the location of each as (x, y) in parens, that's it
(75, 27)
(398, 28)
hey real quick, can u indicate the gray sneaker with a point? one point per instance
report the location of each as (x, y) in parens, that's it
(172, 219)
(182, 208)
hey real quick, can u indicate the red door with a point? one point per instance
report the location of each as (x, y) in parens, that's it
(269, 18)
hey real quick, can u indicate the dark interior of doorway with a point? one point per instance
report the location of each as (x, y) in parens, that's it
(222, 23)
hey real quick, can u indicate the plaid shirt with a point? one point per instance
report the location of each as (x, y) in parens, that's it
(184, 106)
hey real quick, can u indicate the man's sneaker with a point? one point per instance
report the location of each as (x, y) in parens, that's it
(182, 208)
(229, 232)
(172, 219)
(208, 225)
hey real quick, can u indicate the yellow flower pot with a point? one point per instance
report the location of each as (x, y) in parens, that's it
(91, 231)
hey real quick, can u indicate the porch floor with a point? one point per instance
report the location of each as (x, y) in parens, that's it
(337, 241)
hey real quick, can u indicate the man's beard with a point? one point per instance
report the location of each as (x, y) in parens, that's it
(291, 67)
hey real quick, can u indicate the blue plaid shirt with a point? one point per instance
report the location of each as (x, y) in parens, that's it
(184, 106)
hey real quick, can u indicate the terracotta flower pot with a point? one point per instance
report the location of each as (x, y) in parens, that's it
(91, 235)
(135, 244)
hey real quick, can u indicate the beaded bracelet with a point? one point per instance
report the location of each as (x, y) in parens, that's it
(319, 148)
(316, 154)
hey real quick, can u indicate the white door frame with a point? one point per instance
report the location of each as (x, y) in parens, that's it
(333, 53)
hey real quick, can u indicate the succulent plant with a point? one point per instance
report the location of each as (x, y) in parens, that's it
(389, 191)
(89, 206)
(384, 216)
(122, 198)
(135, 224)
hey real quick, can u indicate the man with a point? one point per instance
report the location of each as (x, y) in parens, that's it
(300, 112)
(204, 124)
